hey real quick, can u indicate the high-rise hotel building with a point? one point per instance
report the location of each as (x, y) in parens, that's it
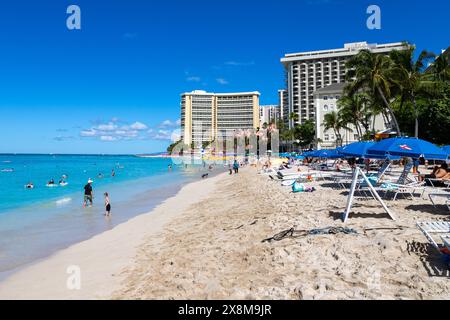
(205, 116)
(310, 71)
(283, 103)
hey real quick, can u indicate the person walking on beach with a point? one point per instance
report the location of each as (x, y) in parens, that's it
(236, 166)
(107, 205)
(88, 193)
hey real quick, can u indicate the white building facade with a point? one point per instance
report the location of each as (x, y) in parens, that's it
(268, 114)
(205, 115)
(326, 101)
(308, 72)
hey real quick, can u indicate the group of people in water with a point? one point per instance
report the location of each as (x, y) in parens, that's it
(88, 191)
(89, 197)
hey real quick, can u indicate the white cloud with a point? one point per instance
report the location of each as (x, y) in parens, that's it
(222, 81)
(111, 131)
(116, 130)
(169, 124)
(88, 133)
(176, 135)
(108, 138)
(107, 127)
(138, 126)
(161, 135)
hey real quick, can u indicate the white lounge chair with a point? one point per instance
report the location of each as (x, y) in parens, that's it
(440, 194)
(440, 229)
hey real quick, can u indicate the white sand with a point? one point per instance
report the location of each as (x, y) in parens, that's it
(102, 257)
(205, 243)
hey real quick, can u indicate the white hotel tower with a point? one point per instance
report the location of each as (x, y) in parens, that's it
(205, 116)
(309, 71)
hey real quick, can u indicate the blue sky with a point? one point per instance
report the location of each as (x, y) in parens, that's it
(114, 86)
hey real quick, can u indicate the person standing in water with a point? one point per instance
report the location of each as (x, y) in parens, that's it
(107, 205)
(113, 173)
(88, 194)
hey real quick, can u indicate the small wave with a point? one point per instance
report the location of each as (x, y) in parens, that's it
(63, 201)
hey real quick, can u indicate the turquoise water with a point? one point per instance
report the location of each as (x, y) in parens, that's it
(35, 223)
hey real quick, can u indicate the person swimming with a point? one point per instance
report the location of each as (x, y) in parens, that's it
(29, 185)
(51, 182)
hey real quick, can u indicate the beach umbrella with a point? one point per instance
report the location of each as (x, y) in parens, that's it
(329, 154)
(356, 149)
(446, 150)
(308, 154)
(407, 147)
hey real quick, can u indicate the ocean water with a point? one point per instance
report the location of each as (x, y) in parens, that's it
(34, 223)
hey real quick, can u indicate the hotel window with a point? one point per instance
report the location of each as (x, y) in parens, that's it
(325, 97)
(326, 137)
(325, 108)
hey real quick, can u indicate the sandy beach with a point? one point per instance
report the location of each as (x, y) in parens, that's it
(206, 243)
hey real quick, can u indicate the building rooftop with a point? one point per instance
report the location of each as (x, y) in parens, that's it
(334, 88)
(349, 49)
(204, 93)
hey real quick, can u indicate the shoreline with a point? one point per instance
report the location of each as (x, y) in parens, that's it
(48, 227)
(207, 243)
(100, 259)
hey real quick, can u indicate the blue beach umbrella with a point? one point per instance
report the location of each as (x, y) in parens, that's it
(308, 154)
(446, 150)
(330, 154)
(356, 149)
(407, 147)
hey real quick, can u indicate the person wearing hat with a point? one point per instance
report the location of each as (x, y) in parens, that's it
(88, 193)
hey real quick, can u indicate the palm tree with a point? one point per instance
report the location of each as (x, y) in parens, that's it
(440, 69)
(293, 117)
(332, 121)
(407, 75)
(357, 109)
(372, 72)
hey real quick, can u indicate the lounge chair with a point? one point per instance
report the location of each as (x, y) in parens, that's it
(403, 185)
(441, 229)
(439, 183)
(344, 179)
(440, 194)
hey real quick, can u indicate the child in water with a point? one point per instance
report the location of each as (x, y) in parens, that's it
(107, 205)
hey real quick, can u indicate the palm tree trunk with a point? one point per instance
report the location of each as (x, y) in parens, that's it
(388, 106)
(358, 130)
(416, 116)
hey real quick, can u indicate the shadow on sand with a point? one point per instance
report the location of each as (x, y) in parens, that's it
(431, 260)
(440, 210)
(339, 215)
